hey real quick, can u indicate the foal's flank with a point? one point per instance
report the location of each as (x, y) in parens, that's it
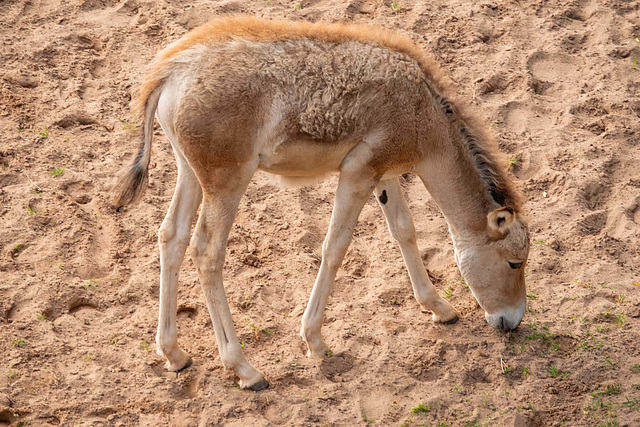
(300, 101)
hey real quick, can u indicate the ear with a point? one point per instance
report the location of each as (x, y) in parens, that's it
(499, 221)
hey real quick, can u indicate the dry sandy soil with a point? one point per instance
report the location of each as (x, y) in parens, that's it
(557, 81)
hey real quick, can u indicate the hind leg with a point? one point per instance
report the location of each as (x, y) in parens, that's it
(389, 196)
(173, 238)
(223, 189)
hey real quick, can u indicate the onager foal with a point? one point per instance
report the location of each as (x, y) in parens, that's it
(302, 100)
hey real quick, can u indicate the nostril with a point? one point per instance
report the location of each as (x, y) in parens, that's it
(504, 325)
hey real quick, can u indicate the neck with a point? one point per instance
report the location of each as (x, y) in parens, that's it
(456, 186)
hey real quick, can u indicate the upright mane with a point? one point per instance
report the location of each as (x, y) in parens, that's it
(481, 149)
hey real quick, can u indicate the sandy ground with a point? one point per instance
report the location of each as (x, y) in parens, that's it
(558, 83)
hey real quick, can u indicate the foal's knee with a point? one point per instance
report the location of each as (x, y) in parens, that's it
(207, 258)
(403, 230)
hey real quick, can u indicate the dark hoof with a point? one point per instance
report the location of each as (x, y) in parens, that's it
(189, 363)
(451, 321)
(260, 385)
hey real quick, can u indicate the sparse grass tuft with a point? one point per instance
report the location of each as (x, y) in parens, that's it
(555, 373)
(56, 172)
(514, 162)
(129, 126)
(41, 316)
(44, 133)
(622, 318)
(610, 390)
(632, 404)
(421, 408)
(525, 372)
(144, 345)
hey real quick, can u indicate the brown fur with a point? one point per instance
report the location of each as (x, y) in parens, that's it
(257, 29)
(478, 147)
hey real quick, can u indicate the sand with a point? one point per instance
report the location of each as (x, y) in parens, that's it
(558, 84)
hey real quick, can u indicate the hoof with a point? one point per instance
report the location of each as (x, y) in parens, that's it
(451, 321)
(260, 385)
(178, 368)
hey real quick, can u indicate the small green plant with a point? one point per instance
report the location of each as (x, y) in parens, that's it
(590, 343)
(582, 285)
(621, 298)
(144, 345)
(635, 63)
(129, 126)
(44, 133)
(532, 296)
(298, 6)
(555, 373)
(30, 211)
(17, 248)
(91, 284)
(513, 162)
(632, 404)
(622, 318)
(525, 372)
(328, 353)
(56, 172)
(368, 420)
(421, 408)
(447, 292)
(540, 242)
(610, 390)
(395, 6)
(635, 368)
(41, 316)
(18, 342)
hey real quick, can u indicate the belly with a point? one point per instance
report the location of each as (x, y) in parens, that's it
(304, 158)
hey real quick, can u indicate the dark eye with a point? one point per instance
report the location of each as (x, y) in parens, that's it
(515, 265)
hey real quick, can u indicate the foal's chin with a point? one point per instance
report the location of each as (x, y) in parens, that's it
(506, 320)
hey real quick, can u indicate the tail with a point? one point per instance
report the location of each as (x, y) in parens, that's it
(133, 181)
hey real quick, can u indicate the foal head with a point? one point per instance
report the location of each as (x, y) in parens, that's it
(492, 262)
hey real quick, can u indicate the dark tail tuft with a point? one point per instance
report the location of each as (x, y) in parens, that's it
(133, 181)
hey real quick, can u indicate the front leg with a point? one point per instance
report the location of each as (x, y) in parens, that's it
(354, 188)
(389, 196)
